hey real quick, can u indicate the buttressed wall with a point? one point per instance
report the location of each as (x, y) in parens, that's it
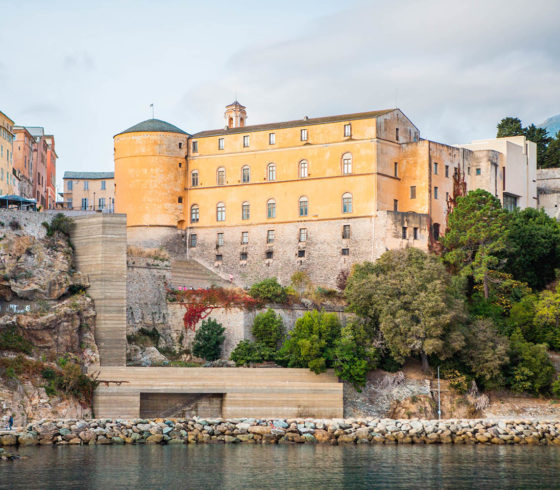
(149, 174)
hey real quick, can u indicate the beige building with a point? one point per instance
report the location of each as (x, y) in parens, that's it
(89, 191)
(548, 187)
(507, 168)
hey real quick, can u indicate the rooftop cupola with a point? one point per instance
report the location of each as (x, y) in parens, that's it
(235, 115)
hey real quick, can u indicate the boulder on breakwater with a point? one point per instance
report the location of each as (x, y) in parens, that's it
(284, 431)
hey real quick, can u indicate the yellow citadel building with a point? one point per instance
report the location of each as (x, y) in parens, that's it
(316, 194)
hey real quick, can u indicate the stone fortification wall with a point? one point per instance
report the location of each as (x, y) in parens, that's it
(285, 431)
(29, 221)
(238, 323)
(548, 191)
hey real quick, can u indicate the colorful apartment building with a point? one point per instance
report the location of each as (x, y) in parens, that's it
(89, 191)
(316, 194)
(8, 181)
(23, 161)
(51, 172)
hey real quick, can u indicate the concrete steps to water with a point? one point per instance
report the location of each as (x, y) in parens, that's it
(190, 274)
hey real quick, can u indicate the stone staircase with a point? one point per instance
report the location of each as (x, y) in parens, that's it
(189, 273)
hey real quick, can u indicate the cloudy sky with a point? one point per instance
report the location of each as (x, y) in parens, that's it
(86, 70)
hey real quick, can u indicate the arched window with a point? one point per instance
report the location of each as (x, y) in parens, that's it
(245, 174)
(221, 212)
(221, 176)
(194, 213)
(245, 211)
(303, 169)
(194, 178)
(271, 171)
(271, 208)
(303, 206)
(347, 202)
(347, 163)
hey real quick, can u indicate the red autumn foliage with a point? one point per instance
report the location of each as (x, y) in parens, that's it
(199, 303)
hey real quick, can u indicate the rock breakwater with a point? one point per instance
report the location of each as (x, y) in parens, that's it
(284, 431)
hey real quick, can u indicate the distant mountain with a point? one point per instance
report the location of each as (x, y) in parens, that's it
(552, 125)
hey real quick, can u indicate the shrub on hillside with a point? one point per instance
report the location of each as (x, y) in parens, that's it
(11, 339)
(247, 352)
(268, 328)
(60, 223)
(208, 340)
(269, 290)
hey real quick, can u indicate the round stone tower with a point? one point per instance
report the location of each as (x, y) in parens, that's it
(150, 169)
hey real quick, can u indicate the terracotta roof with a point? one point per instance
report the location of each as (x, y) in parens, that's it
(293, 124)
(153, 126)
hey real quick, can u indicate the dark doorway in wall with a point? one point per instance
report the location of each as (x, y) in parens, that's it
(180, 405)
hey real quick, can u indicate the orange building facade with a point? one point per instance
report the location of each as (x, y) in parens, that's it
(267, 200)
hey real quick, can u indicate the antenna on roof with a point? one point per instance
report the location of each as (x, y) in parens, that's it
(152, 106)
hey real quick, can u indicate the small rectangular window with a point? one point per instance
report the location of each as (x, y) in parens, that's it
(219, 257)
(396, 169)
(86, 185)
(397, 134)
(243, 256)
(195, 146)
(412, 192)
(269, 254)
(194, 178)
(270, 236)
(220, 143)
(435, 168)
(301, 253)
(468, 170)
(395, 204)
(271, 138)
(447, 170)
(193, 240)
(436, 192)
(244, 237)
(415, 233)
(70, 183)
(220, 239)
(304, 135)
(345, 251)
(103, 185)
(180, 200)
(447, 197)
(303, 234)
(180, 145)
(345, 231)
(246, 141)
(404, 233)
(347, 130)
(478, 171)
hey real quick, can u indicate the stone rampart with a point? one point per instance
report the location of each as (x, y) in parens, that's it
(284, 431)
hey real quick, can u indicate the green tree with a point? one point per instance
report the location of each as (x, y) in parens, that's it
(509, 126)
(354, 354)
(547, 318)
(476, 234)
(268, 328)
(541, 138)
(552, 156)
(533, 247)
(247, 352)
(208, 340)
(408, 294)
(530, 368)
(311, 343)
(485, 352)
(269, 290)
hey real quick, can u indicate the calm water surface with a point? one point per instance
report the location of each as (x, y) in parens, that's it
(245, 466)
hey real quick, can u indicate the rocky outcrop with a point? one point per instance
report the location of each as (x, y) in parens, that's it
(66, 328)
(36, 269)
(285, 431)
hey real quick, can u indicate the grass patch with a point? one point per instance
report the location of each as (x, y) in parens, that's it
(149, 253)
(11, 339)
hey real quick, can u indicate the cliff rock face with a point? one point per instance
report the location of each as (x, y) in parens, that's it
(45, 331)
(32, 268)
